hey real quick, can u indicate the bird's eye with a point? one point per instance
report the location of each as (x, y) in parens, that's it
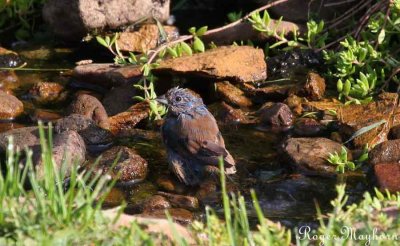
(178, 99)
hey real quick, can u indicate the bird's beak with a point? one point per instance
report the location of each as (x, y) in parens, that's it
(162, 99)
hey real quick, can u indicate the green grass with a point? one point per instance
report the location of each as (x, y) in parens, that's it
(50, 211)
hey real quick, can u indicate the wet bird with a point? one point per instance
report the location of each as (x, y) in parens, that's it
(192, 138)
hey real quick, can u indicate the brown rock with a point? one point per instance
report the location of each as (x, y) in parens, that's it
(128, 119)
(310, 154)
(156, 202)
(170, 184)
(144, 39)
(22, 138)
(277, 114)
(314, 87)
(72, 20)
(130, 166)
(386, 152)
(45, 115)
(180, 215)
(48, 92)
(233, 95)
(8, 80)
(107, 75)
(91, 108)
(262, 93)
(180, 201)
(226, 114)
(232, 63)
(10, 106)
(388, 176)
(307, 127)
(354, 117)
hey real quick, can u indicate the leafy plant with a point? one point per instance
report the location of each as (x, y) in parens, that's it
(340, 160)
(234, 16)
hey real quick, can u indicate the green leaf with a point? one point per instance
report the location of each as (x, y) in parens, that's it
(192, 30)
(198, 45)
(365, 129)
(381, 36)
(201, 31)
(186, 48)
(172, 52)
(101, 41)
(339, 85)
(346, 87)
(139, 98)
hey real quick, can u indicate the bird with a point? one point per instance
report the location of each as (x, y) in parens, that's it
(192, 138)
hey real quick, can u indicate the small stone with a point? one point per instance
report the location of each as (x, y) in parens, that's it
(388, 176)
(232, 63)
(277, 114)
(48, 92)
(180, 201)
(170, 184)
(227, 115)
(233, 95)
(130, 165)
(307, 127)
(10, 106)
(155, 202)
(314, 87)
(129, 119)
(386, 152)
(310, 154)
(91, 108)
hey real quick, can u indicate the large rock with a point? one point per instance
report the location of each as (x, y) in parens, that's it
(90, 107)
(310, 154)
(232, 63)
(73, 19)
(22, 138)
(129, 118)
(180, 201)
(233, 95)
(10, 106)
(386, 152)
(107, 75)
(144, 39)
(129, 167)
(388, 176)
(68, 149)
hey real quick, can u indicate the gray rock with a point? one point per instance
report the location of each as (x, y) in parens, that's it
(73, 19)
(22, 138)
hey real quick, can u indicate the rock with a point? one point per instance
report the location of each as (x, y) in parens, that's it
(388, 176)
(145, 39)
(10, 106)
(8, 80)
(232, 63)
(9, 58)
(307, 127)
(87, 128)
(233, 95)
(45, 115)
(180, 215)
(310, 154)
(72, 20)
(156, 202)
(277, 115)
(295, 104)
(107, 75)
(48, 92)
(68, 149)
(170, 184)
(124, 93)
(314, 88)
(129, 119)
(261, 92)
(22, 138)
(354, 117)
(386, 152)
(130, 166)
(180, 201)
(228, 115)
(91, 108)
(208, 192)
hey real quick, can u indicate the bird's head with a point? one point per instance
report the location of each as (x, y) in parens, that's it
(180, 100)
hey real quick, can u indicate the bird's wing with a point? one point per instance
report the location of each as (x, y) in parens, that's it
(186, 172)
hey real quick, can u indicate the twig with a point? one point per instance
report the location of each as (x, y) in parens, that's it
(349, 13)
(384, 23)
(386, 84)
(210, 32)
(367, 15)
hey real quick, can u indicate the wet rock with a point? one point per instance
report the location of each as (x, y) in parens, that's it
(48, 92)
(130, 166)
(354, 117)
(144, 39)
(232, 63)
(129, 119)
(227, 115)
(261, 92)
(233, 95)
(386, 152)
(45, 115)
(307, 127)
(68, 149)
(276, 114)
(388, 176)
(180, 201)
(107, 75)
(179, 215)
(10, 106)
(314, 88)
(87, 128)
(91, 108)
(114, 198)
(310, 154)
(8, 80)
(9, 58)
(124, 93)
(71, 20)
(295, 104)
(156, 202)
(22, 138)
(170, 184)
(208, 192)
